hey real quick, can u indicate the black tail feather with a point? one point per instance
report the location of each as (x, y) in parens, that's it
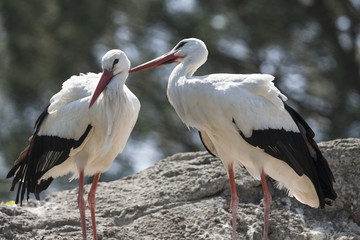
(324, 177)
(326, 180)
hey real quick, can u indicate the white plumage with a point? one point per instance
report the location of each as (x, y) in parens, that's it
(210, 102)
(84, 128)
(113, 117)
(243, 119)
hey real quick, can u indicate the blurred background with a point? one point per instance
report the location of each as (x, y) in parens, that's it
(312, 47)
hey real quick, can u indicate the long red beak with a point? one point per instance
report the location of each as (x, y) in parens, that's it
(164, 59)
(103, 82)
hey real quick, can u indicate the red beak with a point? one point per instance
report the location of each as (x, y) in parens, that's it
(103, 82)
(164, 59)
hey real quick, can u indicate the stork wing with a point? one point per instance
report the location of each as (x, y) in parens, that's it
(57, 135)
(256, 108)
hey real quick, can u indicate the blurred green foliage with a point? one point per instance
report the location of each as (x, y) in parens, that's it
(311, 46)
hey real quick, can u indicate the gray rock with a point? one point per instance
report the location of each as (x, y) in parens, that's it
(187, 196)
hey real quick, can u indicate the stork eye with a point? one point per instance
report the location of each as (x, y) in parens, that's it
(180, 45)
(115, 62)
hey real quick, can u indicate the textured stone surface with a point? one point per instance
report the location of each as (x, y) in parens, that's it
(187, 196)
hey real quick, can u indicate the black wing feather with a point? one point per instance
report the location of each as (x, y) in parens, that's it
(299, 151)
(323, 171)
(43, 153)
(280, 144)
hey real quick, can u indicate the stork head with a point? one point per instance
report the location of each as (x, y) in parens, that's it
(193, 51)
(114, 62)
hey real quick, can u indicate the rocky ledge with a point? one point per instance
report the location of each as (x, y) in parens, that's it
(187, 196)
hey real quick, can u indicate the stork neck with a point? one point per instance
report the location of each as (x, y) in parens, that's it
(188, 66)
(116, 86)
(185, 69)
(180, 73)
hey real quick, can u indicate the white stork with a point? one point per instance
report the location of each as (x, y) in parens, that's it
(243, 119)
(81, 132)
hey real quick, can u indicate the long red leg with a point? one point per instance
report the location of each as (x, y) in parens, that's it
(82, 204)
(92, 202)
(267, 202)
(234, 200)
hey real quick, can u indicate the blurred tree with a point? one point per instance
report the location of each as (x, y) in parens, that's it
(311, 46)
